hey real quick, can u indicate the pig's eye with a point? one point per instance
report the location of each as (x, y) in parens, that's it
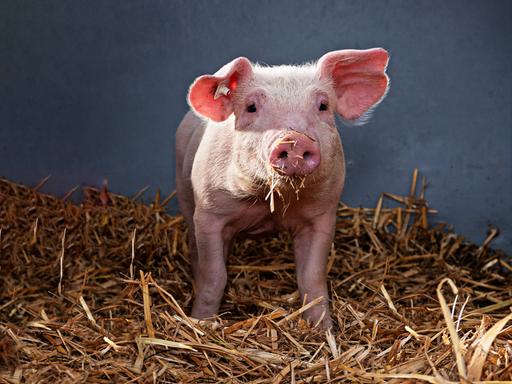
(251, 108)
(323, 107)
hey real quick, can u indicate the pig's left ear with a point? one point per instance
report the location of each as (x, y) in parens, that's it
(359, 78)
(212, 95)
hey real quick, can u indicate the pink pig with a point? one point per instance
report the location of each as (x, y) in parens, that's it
(262, 154)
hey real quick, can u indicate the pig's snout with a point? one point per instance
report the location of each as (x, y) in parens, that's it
(295, 155)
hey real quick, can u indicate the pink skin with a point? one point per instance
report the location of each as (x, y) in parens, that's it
(259, 124)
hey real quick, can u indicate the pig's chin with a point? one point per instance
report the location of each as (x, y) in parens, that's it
(286, 184)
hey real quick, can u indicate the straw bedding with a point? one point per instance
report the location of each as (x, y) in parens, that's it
(99, 292)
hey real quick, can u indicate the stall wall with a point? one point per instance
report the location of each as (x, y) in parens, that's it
(94, 90)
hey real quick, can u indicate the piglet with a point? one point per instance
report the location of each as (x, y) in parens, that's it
(260, 153)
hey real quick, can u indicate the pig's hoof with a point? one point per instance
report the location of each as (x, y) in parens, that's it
(211, 323)
(324, 323)
(202, 312)
(319, 318)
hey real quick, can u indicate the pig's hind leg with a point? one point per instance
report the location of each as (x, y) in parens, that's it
(188, 137)
(187, 206)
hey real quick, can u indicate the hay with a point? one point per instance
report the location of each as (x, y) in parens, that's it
(100, 292)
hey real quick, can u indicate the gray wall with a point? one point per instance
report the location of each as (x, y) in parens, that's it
(94, 90)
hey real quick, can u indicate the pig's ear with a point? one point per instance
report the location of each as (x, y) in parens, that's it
(212, 95)
(359, 78)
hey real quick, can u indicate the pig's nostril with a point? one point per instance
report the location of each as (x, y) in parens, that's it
(306, 155)
(283, 155)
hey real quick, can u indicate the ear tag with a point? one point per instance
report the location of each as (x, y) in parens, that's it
(222, 90)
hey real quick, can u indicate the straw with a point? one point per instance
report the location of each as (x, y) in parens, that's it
(73, 307)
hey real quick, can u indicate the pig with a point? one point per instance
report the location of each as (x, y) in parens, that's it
(260, 153)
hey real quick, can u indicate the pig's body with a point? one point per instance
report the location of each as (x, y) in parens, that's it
(268, 159)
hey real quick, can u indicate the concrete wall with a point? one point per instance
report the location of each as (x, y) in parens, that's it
(94, 89)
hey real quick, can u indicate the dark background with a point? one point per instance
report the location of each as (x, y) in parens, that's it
(94, 90)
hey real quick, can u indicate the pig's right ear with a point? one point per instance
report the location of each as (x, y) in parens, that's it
(212, 95)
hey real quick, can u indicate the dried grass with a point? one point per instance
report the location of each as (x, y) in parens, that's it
(100, 292)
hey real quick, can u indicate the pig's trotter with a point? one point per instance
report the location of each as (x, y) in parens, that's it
(210, 275)
(311, 247)
(209, 291)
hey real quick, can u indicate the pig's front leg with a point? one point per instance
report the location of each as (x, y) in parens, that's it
(209, 267)
(312, 244)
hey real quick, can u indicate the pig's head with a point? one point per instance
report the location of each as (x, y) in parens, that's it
(282, 117)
